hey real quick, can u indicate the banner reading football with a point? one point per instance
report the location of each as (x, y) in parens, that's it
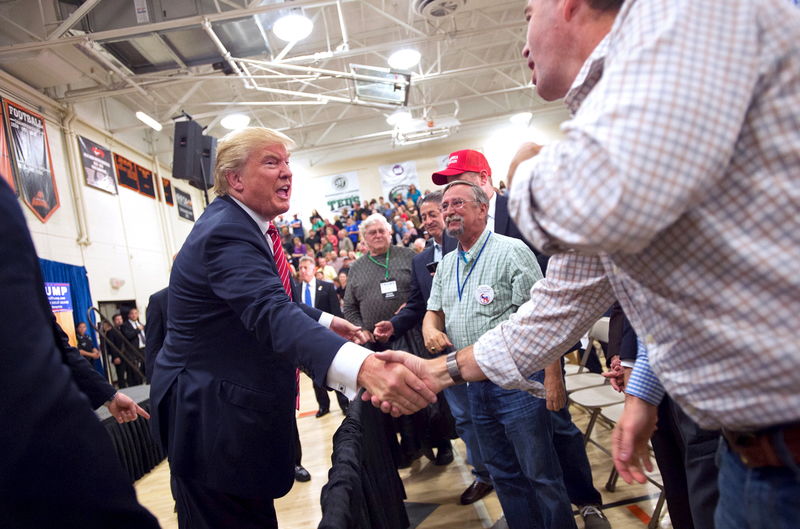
(5, 156)
(396, 178)
(31, 155)
(341, 190)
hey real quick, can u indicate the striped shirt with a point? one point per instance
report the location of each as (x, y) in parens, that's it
(676, 191)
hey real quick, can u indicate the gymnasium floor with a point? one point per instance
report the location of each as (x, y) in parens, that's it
(430, 489)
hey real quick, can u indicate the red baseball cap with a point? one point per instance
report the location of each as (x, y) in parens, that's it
(466, 161)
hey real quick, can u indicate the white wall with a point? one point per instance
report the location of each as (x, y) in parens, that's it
(130, 236)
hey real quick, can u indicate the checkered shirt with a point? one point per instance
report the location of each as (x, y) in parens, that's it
(676, 191)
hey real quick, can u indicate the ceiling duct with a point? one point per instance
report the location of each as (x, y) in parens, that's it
(436, 9)
(421, 130)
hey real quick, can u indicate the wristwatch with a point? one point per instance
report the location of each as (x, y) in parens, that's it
(452, 368)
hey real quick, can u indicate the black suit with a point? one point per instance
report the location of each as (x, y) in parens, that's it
(58, 467)
(223, 386)
(505, 225)
(326, 300)
(130, 346)
(421, 283)
(156, 330)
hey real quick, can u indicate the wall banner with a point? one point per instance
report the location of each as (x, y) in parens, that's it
(147, 185)
(126, 172)
(184, 200)
(167, 191)
(396, 178)
(32, 162)
(341, 190)
(6, 172)
(98, 166)
(60, 298)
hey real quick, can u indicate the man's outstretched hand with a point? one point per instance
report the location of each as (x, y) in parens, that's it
(433, 375)
(348, 331)
(630, 438)
(400, 390)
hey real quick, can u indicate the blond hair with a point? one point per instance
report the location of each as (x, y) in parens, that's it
(235, 148)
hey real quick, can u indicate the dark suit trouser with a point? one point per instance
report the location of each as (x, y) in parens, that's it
(202, 508)
(324, 401)
(685, 456)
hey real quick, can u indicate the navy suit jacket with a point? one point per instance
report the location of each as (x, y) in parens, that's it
(325, 298)
(58, 467)
(504, 225)
(421, 283)
(223, 387)
(157, 308)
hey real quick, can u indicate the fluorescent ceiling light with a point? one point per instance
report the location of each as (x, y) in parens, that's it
(404, 59)
(399, 117)
(235, 121)
(147, 120)
(523, 119)
(291, 28)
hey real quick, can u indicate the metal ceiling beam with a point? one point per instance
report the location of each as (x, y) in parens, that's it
(197, 20)
(73, 19)
(393, 18)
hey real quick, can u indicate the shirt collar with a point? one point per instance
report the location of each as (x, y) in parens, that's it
(493, 204)
(470, 254)
(260, 221)
(589, 75)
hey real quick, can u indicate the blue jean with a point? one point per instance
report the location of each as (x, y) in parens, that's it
(763, 498)
(515, 434)
(571, 450)
(459, 406)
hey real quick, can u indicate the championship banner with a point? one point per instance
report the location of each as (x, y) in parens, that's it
(146, 184)
(97, 166)
(60, 299)
(184, 200)
(167, 191)
(396, 178)
(31, 156)
(126, 172)
(5, 155)
(341, 190)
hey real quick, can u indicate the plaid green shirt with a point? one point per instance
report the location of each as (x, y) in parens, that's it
(496, 276)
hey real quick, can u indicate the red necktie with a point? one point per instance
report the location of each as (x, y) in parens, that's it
(283, 271)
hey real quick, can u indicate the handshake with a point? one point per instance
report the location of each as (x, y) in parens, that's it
(400, 383)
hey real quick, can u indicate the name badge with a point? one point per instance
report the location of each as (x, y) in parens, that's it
(388, 289)
(484, 294)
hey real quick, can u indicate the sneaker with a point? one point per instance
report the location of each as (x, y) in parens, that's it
(593, 517)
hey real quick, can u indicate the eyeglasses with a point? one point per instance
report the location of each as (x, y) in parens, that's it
(455, 204)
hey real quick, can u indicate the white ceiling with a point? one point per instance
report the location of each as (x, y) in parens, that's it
(471, 67)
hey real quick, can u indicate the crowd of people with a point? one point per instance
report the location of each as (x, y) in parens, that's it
(674, 193)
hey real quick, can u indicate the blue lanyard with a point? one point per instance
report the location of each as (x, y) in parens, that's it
(459, 286)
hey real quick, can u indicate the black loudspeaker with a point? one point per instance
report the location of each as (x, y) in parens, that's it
(186, 150)
(208, 159)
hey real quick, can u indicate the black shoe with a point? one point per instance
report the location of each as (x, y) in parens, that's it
(475, 492)
(428, 453)
(407, 459)
(301, 474)
(444, 456)
(321, 412)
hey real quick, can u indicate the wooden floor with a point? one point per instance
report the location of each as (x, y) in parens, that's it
(630, 506)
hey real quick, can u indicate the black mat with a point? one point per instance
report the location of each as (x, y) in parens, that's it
(417, 512)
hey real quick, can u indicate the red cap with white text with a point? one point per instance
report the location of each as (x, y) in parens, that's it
(466, 161)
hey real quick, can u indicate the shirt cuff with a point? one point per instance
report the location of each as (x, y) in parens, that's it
(325, 319)
(643, 383)
(498, 365)
(343, 371)
(627, 363)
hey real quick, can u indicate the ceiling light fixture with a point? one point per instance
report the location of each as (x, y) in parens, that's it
(399, 117)
(292, 28)
(522, 119)
(235, 121)
(404, 59)
(147, 120)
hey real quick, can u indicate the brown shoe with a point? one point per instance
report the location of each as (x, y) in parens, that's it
(476, 491)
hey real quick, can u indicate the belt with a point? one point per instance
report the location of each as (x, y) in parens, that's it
(761, 448)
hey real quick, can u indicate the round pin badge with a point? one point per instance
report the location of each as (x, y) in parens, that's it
(484, 294)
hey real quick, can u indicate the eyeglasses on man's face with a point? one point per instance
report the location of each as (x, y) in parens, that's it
(456, 203)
